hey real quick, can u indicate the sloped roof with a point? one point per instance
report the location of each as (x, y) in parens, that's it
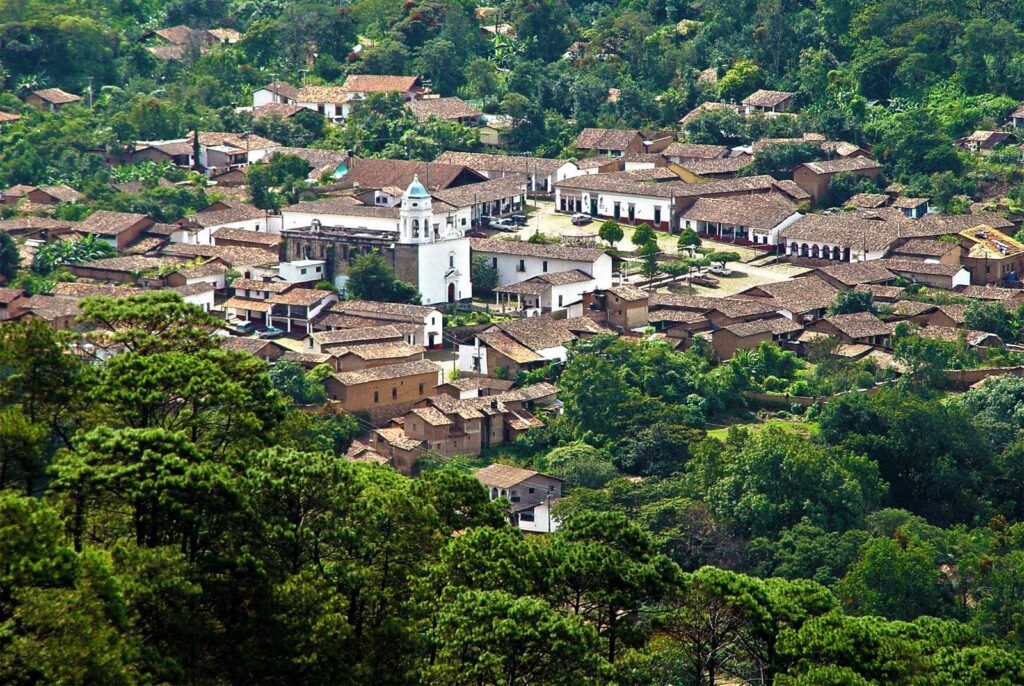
(276, 109)
(56, 96)
(282, 88)
(503, 475)
(767, 98)
(695, 151)
(751, 211)
(378, 83)
(443, 108)
(526, 249)
(481, 161)
(605, 139)
(380, 173)
(386, 372)
(860, 325)
(842, 164)
(110, 223)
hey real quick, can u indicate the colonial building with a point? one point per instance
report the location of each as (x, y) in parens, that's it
(426, 245)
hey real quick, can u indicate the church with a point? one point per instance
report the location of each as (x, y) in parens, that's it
(422, 236)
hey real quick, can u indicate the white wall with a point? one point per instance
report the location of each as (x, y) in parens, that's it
(205, 299)
(467, 353)
(508, 265)
(435, 263)
(301, 220)
(292, 271)
(569, 293)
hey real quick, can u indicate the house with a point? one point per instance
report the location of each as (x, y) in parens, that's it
(268, 351)
(336, 102)
(275, 92)
(715, 312)
(8, 118)
(653, 196)
(1012, 296)
(131, 269)
(246, 261)
(815, 177)
(330, 101)
(452, 426)
(1017, 117)
(465, 388)
(768, 101)
(802, 300)
(382, 173)
(294, 309)
(374, 354)
(38, 228)
(200, 227)
(212, 273)
(853, 274)
(622, 307)
(421, 325)
(915, 208)
(9, 298)
(276, 110)
(838, 237)
(39, 195)
(329, 342)
(384, 392)
(754, 219)
(687, 119)
(951, 315)
(859, 327)
(119, 229)
(927, 250)
(246, 238)
(868, 201)
(610, 142)
(691, 152)
(728, 340)
(553, 291)
(424, 240)
(496, 131)
(539, 173)
(991, 256)
(225, 150)
(58, 313)
(531, 494)
(983, 141)
(695, 171)
(180, 152)
(517, 261)
(51, 99)
(449, 109)
(506, 348)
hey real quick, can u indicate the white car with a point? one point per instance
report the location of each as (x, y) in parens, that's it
(720, 269)
(581, 219)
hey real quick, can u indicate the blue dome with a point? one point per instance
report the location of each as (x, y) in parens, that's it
(416, 189)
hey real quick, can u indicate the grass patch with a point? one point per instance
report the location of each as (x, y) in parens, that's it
(796, 427)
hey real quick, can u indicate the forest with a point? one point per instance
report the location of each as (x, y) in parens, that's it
(177, 515)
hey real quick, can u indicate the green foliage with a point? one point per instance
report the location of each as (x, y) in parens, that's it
(850, 302)
(370, 277)
(58, 253)
(293, 381)
(610, 232)
(9, 258)
(483, 275)
(688, 237)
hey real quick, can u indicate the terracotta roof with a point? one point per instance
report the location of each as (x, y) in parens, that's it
(912, 308)
(431, 415)
(728, 165)
(323, 95)
(282, 88)
(767, 98)
(62, 193)
(23, 224)
(628, 293)
(662, 183)
(317, 158)
(1019, 112)
(363, 334)
(860, 325)
(799, 295)
(844, 229)
(168, 52)
(791, 189)
(773, 325)
(378, 173)
(992, 293)
(503, 475)
(905, 203)
(306, 358)
(258, 285)
(7, 117)
(253, 346)
(443, 108)
(396, 437)
(214, 268)
(540, 333)
(919, 267)
(688, 118)
(388, 371)
(730, 307)
(375, 83)
(927, 247)
(882, 293)
(183, 35)
(486, 191)
(126, 263)
(380, 350)
(939, 224)
(869, 200)
(695, 151)
(856, 273)
(300, 296)
(109, 223)
(237, 303)
(233, 255)
(259, 237)
(214, 215)
(342, 206)
(371, 307)
(605, 139)
(234, 140)
(9, 295)
(509, 347)
(952, 334)
(842, 164)
(281, 110)
(481, 162)
(498, 246)
(56, 96)
(225, 35)
(750, 211)
(466, 383)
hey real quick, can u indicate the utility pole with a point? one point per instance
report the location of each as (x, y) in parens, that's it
(90, 92)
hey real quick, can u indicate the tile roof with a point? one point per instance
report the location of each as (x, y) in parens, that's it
(7, 117)
(912, 308)
(751, 211)
(605, 139)
(316, 158)
(662, 183)
(730, 307)
(237, 303)
(486, 191)
(323, 95)
(342, 206)
(282, 88)
(503, 475)
(239, 141)
(481, 162)
(126, 263)
(860, 325)
(799, 295)
(387, 372)
(62, 193)
(905, 203)
(281, 110)
(56, 96)
(233, 255)
(259, 237)
(9, 295)
(183, 35)
(868, 200)
(728, 165)
(767, 98)
(856, 273)
(842, 164)
(952, 334)
(541, 333)
(253, 346)
(695, 151)
(377, 83)
(379, 173)
(443, 108)
(509, 347)
(688, 118)
(939, 224)
(380, 350)
(431, 415)
(300, 296)
(258, 285)
(773, 325)
(109, 223)
(791, 189)
(364, 307)
(234, 211)
(396, 437)
(992, 293)
(844, 229)
(499, 246)
(628, 293)
(927, 247)
(363, 334)
(900, 266)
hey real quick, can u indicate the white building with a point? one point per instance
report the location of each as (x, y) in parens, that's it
(518, 261)
(530, 493)
(540, 173)
(751, 218)
(302, 271)
(278, 92)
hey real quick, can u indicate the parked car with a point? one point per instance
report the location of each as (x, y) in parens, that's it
(518, 219)
(502, 225)
(705, 280)
(720, 269)
(240, 326)
(269, 332)
(476, 234)
(581, 219)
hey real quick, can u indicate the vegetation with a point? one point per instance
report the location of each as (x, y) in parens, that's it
(370, 277)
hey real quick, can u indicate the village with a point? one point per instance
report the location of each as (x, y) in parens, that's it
(514, 259)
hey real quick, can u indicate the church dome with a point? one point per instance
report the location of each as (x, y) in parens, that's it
(416, 189)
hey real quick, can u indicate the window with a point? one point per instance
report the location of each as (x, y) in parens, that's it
(451, 260)
(531, 489)
(319, 269)
(494, 262)
(421, 389)
(522, 265)
(394, 393)
(302, 271)
(560, 300)
(376, 396)
(544, 265)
